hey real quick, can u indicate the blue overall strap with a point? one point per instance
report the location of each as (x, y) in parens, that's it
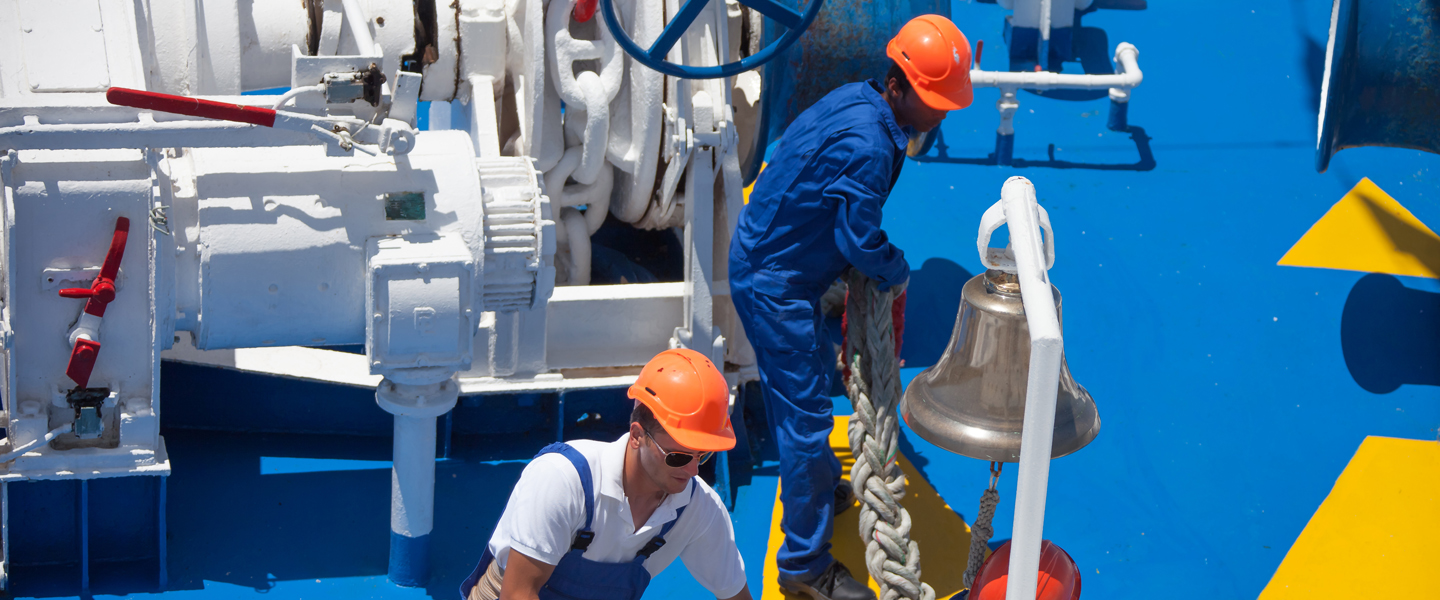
(658, 541)
(582, 466)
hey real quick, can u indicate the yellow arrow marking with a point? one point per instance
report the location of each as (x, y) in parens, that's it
(1368, 231)
(1375, 535)
(745, 193)
(943, 536)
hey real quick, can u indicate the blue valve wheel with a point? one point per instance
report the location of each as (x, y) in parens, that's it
(795, 24)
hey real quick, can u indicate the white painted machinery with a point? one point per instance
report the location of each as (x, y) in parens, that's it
(246, 231)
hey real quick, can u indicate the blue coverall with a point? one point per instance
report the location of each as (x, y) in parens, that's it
(814, 210)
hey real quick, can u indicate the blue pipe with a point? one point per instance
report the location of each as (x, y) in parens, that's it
(409, 559)
(1119, 116)
(1004, 149)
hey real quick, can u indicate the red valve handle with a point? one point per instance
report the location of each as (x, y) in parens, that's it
(111, 267)
(82, 362)
(584, 10)
(195, 107)
(102, 292)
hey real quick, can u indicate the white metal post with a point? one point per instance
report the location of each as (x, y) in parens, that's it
(415, 405)
(1046, 353)
(1044, 50)
(412, 499)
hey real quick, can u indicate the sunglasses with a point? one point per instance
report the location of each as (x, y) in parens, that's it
(678, 459)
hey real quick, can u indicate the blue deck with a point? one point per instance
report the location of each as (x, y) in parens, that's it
(1228, 408)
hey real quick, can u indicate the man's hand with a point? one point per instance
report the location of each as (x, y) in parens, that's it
(524, 576)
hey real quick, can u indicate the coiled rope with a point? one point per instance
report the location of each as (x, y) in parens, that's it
(874, 389)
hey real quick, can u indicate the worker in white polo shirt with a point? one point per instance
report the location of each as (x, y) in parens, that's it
(595, 521)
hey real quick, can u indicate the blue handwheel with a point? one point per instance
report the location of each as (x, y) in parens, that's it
(795, 24)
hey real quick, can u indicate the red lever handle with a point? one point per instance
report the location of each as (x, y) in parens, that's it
(584, 10)
(82, 362)
(111, 267)
(195, 107)
(102, 292)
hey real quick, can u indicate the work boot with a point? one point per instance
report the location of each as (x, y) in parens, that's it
(844, 496)
(834, 583)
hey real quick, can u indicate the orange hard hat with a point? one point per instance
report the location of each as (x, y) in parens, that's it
(689, 397)
(1059, 577)
(936, 59)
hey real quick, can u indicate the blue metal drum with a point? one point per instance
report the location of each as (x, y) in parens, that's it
(845, 43)
(1382, 77)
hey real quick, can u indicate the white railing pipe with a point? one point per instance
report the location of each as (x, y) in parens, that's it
(360, 28)
(1030, 257)
(1129, 76)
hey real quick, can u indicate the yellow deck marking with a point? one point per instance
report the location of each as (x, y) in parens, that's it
(1368, 231)
(745, 193)
(1376, 534)
(943, 536)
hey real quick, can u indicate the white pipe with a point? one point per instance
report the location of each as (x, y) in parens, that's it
(18, 452)
(1043, 53)
(1044, 23)
(360, 28)
(199, 133)
(1126, 55)
(413, 481)
(412, 499)
(1046, 353)
(416, 399)
(1007, 104)
(308, 89)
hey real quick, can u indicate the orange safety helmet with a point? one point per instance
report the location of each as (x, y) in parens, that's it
(936, 59)
(689, 397)
(1059, 577)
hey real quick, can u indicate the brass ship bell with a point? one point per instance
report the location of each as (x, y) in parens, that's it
(972, 402)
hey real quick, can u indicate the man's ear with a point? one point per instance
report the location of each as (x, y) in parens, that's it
(895, 91)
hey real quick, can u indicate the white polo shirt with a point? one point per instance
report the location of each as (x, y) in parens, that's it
(547, 507)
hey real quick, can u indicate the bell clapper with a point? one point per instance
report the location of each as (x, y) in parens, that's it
(981, 530)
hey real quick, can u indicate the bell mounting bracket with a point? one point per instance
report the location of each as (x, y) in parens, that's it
(1003, 259)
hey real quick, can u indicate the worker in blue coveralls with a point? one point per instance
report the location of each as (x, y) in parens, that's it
(815, 210)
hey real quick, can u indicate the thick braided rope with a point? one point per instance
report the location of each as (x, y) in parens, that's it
(981, 532)
(874, 389)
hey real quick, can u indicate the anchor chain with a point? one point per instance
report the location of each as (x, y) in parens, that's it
(892, 558)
